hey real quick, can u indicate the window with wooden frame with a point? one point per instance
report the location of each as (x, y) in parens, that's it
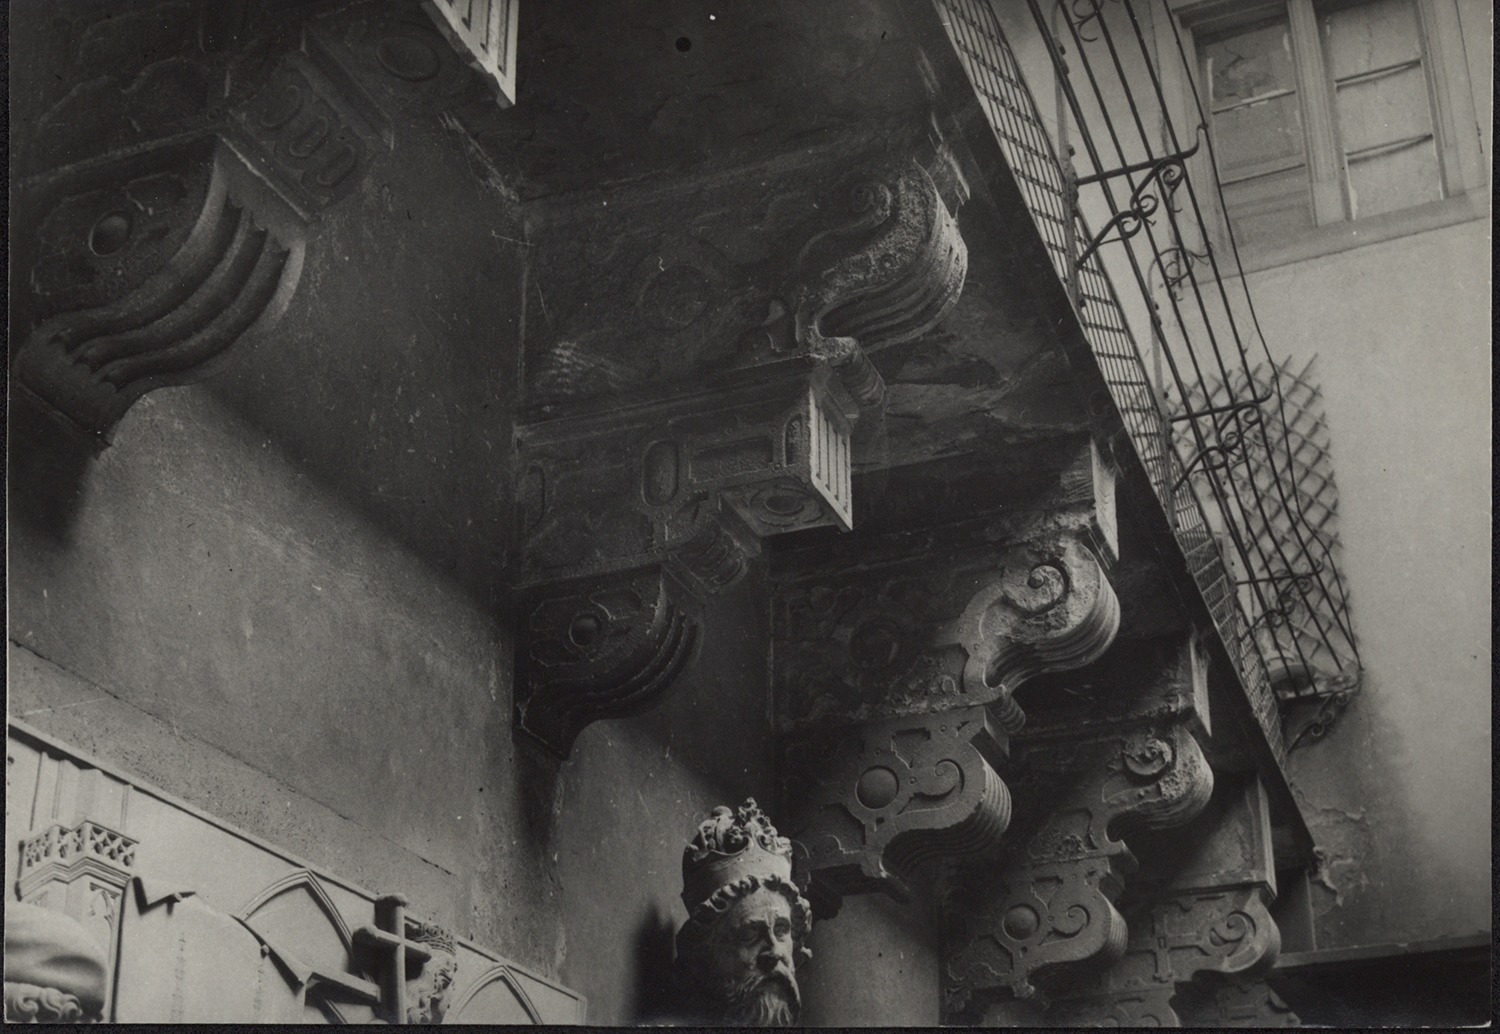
(1331, 111)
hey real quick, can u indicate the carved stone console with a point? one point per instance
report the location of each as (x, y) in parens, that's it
(1082, 779)
(684, 406)
(956, 616)
(163, 208)
(149, 270)
(1200, 927)
(895, 667)
(599, 648)
(881, 798)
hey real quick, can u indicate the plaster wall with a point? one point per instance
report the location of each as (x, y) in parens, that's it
(1398, 795)
(875, 964)
(215, 619)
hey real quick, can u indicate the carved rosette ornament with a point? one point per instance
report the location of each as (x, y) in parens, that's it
(884, 797)
(738, 952)
(1052, 908)
(605, 648)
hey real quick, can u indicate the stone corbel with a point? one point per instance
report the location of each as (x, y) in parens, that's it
(878, 800)
(1200, 922)
(885, 273)
(599, 648)
(1052, 608)
(184, 260)
(1051, 910)
(149, 263)
(931, 632)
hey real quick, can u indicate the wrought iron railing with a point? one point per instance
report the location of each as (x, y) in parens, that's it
(1212, 438)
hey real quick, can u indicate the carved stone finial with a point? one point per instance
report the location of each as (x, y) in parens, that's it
(738, 953)
(54, 972)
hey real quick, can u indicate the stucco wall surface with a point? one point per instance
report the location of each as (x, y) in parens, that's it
(1399, 793)
(214, 619)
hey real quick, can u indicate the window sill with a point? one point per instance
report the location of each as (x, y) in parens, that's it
(1337, 237)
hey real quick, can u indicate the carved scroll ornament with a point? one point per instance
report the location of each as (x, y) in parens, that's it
(1051, 609)
(176, 309)
(935, 633)
(1053, 907)
(880, 799)
(885, 275)
(604, 648)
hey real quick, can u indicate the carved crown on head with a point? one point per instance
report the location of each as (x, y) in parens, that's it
(729, 846)
(433, 936)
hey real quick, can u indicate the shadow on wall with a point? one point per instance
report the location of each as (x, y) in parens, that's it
(47, 465)
(654, 938)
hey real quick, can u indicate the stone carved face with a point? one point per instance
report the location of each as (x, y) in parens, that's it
(427, 996)
(749, 961)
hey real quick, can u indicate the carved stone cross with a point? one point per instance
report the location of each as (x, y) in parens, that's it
(406, 957)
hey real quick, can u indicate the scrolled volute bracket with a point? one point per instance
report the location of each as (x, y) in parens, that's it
(599, 648)
(1051, 608)
(883, 797)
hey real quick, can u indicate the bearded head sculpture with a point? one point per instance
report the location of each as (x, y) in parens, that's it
(738, 953)
(427, 995)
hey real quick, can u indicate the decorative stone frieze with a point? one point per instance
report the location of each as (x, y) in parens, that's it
(879, 799)
(619, 490)
(799, 261)
(310, 139)
(600, 648)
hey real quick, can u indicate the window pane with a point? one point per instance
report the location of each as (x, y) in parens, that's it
(1269, 207)
(1385, 109)
(1394, 180)
(1253, 86)
(1369, 36)
(1382, 105)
